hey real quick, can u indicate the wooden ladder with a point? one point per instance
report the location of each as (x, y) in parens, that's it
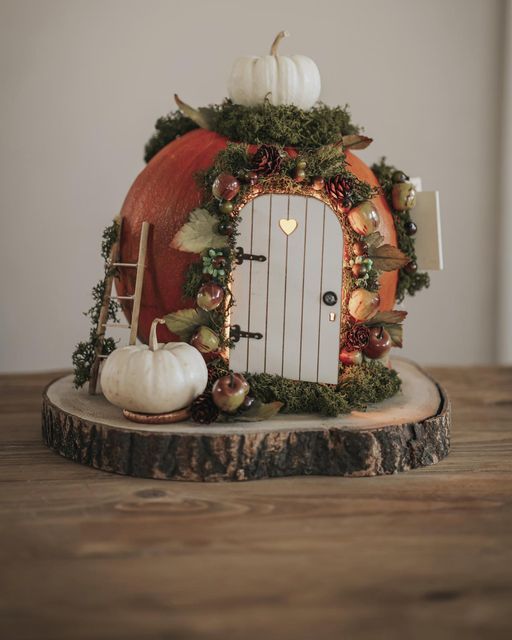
(103, 324)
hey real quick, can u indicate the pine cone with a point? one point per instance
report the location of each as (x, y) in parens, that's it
(357, 338)
(267, 160)
(340, 189)
(203, 410)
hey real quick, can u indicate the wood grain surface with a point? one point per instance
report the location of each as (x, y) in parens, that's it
(89, 555)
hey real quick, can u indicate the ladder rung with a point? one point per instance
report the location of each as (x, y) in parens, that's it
(124, 264)
(119, 325)
(122, 297)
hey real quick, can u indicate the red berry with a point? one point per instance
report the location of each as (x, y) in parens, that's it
(360, 248)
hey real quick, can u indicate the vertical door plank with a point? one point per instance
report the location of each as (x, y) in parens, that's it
(294, 289)
(238, 355)
(258, 281)
(276, 287)
(311, 285)
(328, 347)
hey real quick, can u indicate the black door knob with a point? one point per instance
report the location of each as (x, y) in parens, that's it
(330, 298)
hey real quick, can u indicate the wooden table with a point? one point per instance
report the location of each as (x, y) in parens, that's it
(426, 554)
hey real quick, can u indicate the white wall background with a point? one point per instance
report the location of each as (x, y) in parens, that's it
(82, 82)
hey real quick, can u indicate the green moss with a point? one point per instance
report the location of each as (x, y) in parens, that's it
(407, 283)
(83, 355)
(358, 386)
(284, 125)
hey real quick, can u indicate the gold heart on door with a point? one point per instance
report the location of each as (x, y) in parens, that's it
(288, 226)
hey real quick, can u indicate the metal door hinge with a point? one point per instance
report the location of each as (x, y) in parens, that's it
(235, 333)
(240, 256)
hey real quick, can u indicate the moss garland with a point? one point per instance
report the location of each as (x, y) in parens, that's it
(408, 283)
(84, 353)
(284, 125)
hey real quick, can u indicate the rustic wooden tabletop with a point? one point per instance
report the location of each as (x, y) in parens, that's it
(89, 555)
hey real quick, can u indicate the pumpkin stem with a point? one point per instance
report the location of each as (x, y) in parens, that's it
(277, 40)
(153, 340)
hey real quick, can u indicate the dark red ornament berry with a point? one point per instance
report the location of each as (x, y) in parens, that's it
(410, 228)
(219, 262)
(359, 270)
(249, 177)
(411, 268)
(225, 187)
(399, 176)
(360, 248)
(226, 228)
(247, 403)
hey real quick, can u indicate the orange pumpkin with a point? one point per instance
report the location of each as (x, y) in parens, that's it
(164, 194)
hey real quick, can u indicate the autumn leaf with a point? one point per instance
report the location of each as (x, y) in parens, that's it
(395, 333)
(389, 317)
(184, 322)
(200, 116)
(387, 257)
(356, 142)
(199, 233)
(375, 239)
(260, 411)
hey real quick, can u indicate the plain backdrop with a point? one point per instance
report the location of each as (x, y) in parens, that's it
(83, 81)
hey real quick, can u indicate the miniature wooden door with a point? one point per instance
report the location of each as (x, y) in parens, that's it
(287, 289)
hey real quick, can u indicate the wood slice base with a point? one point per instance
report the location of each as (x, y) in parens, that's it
(405, 432)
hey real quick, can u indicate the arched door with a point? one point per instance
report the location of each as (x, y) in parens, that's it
(287, 289)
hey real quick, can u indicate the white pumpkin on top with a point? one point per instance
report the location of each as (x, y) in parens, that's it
(154, 378)
(279, 79)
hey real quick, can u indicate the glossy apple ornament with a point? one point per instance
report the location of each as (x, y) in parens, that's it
(230, 392)
(363, 304)
(364, 218)
(379, 343)
(225, 187)
(205, 340)
(210, 296)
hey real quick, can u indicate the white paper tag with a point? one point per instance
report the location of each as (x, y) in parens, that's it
(428, 243)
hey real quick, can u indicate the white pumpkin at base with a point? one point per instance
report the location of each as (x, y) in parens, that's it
(154, 378)
(279, 79)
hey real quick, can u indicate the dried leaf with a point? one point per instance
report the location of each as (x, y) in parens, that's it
(199, 116)
(184, 322)
(260, 411)
(388, 317)
(356, 142)
(395, 333)
(199, 233)
(387, 257)
(375, 239)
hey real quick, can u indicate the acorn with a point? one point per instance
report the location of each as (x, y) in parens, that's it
(210, 296)
(403, 196)
(364, 218)
(301, 164)
(411, 267)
